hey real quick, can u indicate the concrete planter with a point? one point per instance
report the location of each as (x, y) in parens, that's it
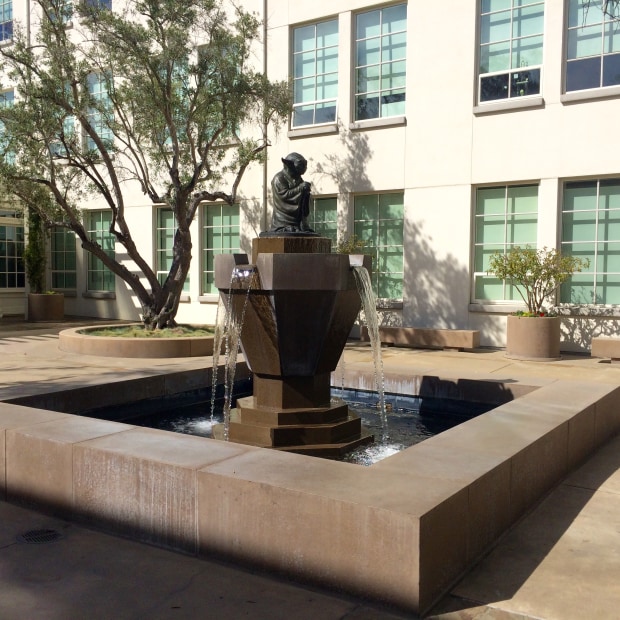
(533, 338)
(78, 340)
(46, 307)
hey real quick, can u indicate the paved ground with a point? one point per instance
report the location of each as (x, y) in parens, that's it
(562, 561)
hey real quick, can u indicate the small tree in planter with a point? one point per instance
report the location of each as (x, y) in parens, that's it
(43, 305)
(34, 253)
(537, 274)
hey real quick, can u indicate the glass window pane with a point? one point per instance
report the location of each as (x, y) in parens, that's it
(583, 13)
(584, 42)
(368, 25)
(583, 74)
(488, 287)
(608, 257)
(491, 201)
(522, 199)
(580, 196)
(368, 52)
(608, 289)
(368, 79)
(495, 57)
(609, 225)
(579, 226)
(495, 5)
(495, 27)
(303, 38)
(527, 52)
(611, 70)
(395, 18)
(491, 230)
(528, 21)
(325, 113)
(327, 33)
(393, 47)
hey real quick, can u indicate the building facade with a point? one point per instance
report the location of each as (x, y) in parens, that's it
(438, 134)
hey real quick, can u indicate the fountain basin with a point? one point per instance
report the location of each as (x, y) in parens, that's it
(401, 531)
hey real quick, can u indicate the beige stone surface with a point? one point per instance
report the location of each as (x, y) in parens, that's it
(143, 482)
(39, 459)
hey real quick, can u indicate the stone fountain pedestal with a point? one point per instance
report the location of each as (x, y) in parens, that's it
(298, 313)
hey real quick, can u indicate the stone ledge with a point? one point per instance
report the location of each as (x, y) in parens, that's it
(403, 530)
(426, 338)
(606, 347)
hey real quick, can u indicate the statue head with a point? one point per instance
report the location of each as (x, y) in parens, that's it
(296, 163)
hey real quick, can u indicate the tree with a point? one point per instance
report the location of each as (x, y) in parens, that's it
(155, 93)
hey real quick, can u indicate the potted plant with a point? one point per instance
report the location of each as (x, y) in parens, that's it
(537, 274)
(43, 305)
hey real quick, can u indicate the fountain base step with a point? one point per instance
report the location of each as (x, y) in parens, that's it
(326, 431)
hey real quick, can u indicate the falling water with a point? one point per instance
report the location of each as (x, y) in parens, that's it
(369, 305)
(220, 328)
(241, 279)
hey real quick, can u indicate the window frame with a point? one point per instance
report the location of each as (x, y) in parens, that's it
(592, 273)
(601, 55)
(510, 295)
(94, 264)
(381, 93)
(324, 227)
(67, 274)
(162, 273)
(6, 21)
(295, 78)
(380, 251)
(13, 218)
(511, 73)
(207, 251)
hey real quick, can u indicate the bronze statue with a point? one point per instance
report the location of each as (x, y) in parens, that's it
(291, 197)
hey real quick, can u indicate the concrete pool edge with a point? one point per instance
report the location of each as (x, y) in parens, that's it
(384, 532)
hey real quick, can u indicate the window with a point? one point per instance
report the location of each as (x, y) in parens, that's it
(62, 8)
(323, 218)
(6, 101)
(101, 4)
(63, 258)
(100, 278)
(505, 217)
(378, 220)
(315, 73)
(380, 48)
(220, 235)
(6, 20)
(12, 273)
(593, 47)
(166, 229)
(98, 90)
(591, 229)
(511, 48)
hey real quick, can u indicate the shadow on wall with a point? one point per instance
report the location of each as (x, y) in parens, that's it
(252, 213)
(347, 167)
(439, 287)
(579, 328)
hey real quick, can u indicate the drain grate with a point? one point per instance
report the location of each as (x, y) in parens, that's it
(39, 537)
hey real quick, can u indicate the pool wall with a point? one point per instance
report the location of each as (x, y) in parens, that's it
(401, 531)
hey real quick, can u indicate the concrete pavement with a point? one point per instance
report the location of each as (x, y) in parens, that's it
(561, 561)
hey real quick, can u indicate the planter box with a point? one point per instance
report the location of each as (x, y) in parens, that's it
(46, 307)
(533, 338)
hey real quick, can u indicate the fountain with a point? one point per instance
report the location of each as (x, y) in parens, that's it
(298, 308)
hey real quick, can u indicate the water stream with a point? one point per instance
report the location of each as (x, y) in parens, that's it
(242, 279)
(369, 304)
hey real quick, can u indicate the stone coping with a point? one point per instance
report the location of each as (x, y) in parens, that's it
(76, 341)
(401, 531)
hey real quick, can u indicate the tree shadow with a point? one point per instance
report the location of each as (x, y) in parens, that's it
(346, 167)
